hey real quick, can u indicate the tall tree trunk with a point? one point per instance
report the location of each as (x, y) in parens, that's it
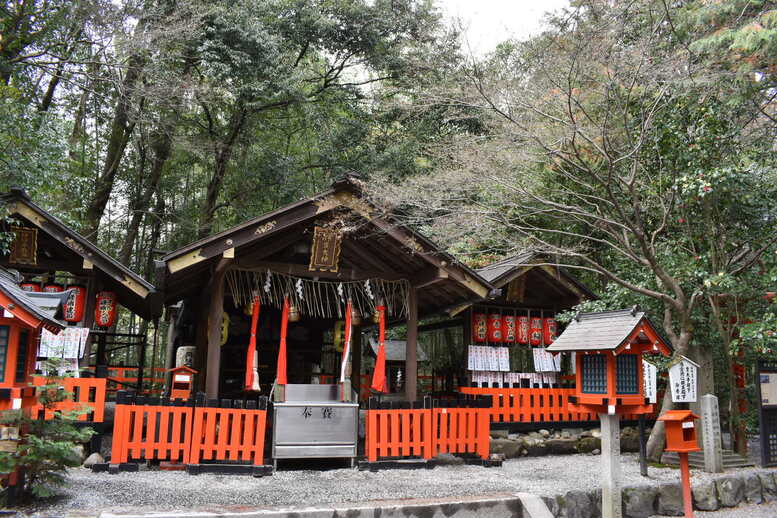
(223, 153)
(122, 127)
(161, 145)
(681, 344)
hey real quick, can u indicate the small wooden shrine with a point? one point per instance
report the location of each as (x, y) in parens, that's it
(23, 316)
(609, 346)
(316, 256)
(506, 336)
(52, 257)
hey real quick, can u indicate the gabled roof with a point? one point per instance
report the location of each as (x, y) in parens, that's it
(35, 309)
(135, 292)
(396, 350)
(380, 248)
(608, 331)
(502, 272)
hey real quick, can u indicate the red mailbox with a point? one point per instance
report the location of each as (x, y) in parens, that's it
(680, 430)
(182, 382)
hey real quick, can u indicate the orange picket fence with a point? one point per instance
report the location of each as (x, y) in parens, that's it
(231, 434)
(533, 405)
(86, 394)
(398, 433)
(403, 430)
(189, 433)
(461, 430)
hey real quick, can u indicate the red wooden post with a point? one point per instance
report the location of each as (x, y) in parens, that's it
(685, 476)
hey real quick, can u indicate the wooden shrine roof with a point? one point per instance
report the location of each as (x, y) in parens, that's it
(378, 248)
(45, 308)
(63, 249)
(505, 271)
(605, 331)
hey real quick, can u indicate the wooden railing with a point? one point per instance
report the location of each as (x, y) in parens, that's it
(87, 394)
(182, 431)
(532, 405)
(123, 378)
(423, 430)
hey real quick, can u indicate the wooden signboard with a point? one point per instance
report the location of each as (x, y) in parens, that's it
(325, 252)
(24, 247)
(682, 380)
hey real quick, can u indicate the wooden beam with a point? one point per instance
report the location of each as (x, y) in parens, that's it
(301, 270)
(559, 277)
(428, 277)
(370, 259)
(411, 346)
(215, 316)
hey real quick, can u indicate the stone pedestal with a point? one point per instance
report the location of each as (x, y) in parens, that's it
(711, 442)
(611, 466)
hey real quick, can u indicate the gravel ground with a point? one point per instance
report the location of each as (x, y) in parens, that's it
(167, 491)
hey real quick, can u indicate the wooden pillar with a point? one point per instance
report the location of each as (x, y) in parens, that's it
(91, 295)
(411, 349)
(356, 361)
(172, 334)
(215, 316)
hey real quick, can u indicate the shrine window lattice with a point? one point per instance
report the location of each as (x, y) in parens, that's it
(594, 374)
(626, 374)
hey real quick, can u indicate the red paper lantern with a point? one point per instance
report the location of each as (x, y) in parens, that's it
(479, 327)
(29, 286)
(508, 328)
(74, 306)
(535, 331)
(105, 309)
(549, 329)
(53, 288)
(495, 327)
(523, 330)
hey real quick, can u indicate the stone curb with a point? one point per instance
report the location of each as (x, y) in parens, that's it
(498, 506)
(643, 501)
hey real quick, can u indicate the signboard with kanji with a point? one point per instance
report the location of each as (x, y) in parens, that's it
(683, 376)
(650, 380)
(325, 253)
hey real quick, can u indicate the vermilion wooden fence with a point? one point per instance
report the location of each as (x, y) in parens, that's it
(85, 394)
(405, 432)
(532, 405)
(150, 431)
(461, 430)
(460, 426)
(232, 434)
(154, 429)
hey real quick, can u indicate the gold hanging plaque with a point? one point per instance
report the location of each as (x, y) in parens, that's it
(24, 247)
(325, 252)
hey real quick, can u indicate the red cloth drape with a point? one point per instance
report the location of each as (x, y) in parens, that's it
(251, 383)
(379, 381)
(347, 341)
(280, 377)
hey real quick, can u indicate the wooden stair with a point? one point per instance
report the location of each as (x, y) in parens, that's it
(731, 460)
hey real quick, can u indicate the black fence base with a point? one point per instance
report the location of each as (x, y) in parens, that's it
(129, 467)
(230, 469)
(397, 464)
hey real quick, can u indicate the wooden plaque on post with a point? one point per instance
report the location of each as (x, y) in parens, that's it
(24, 247)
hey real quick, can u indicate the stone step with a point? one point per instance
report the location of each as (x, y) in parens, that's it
(696, 459)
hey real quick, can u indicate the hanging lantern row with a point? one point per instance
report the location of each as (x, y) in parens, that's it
(496, 328)
(105, 310)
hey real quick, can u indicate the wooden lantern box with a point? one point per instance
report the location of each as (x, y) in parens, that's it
(609, 346)
(182, 382)
(680, 431)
